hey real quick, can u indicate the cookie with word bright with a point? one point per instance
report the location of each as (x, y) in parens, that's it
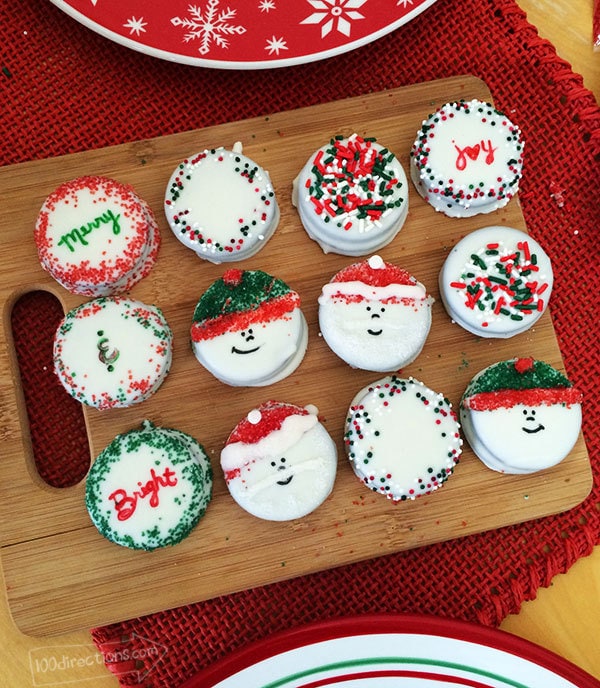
(248, 329)
(467, 159)
(221, 204)
(402, 438)
(96, 236)
(149, 487)
(351, 196)
(112, 352)
(375, 315)
(496, 282)
(521, 415)
(279, 461)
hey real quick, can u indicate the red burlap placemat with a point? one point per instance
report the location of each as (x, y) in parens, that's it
(65, 89)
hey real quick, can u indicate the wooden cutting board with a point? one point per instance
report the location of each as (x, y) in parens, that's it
(61, 575)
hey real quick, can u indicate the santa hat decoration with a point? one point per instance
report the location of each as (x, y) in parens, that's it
(267, 431)
(373, 280)
(238, 300)
(519, 381)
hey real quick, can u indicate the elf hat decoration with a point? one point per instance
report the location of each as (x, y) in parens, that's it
(519, 381)
(240, 299)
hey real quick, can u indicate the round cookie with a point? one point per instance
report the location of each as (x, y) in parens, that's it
(467, 159)
(279, 461)
(248, 329)
(221, 204)
(402, 438)
(521, 416)
(374, 315)
(351, 196)
(496, 282)
(112, 352)
(149, 487)
(96, 236)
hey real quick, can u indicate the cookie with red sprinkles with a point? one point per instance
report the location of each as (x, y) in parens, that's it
(112, 352)
(351, 196)
(221, 204)
(402, 438)
(467, 159)
(96, 236)
(496, 282)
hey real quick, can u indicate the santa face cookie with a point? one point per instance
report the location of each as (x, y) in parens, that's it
(149, 487)
(221, 204)
(280, 462)
(467, 159)
(496, 282)
(375, 316)
(402, 438)
(352, 196)
(521, 416)
(248, 329)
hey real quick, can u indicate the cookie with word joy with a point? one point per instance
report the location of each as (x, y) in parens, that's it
(521, 415)
(279, 461)
(351, 196)
(221, 204)
(374, 315)
(467, 159)
(149, 487)
(113, 352)
(248, 329)
(496, 282)
(96, 236)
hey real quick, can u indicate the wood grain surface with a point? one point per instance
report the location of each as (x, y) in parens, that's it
(62, 575)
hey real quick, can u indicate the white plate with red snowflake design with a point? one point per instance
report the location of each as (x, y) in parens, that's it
(386, 651)
(243, 34)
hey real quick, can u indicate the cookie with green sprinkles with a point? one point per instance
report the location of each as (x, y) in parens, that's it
(467, 159)
(112, 352)
(221, 204)
(149, 487)
(496, 282)
(351, 196)
(402, 438)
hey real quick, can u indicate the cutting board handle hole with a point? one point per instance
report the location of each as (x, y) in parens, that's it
(59, 441)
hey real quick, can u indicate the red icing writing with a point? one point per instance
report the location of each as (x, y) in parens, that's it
(472, 153)
(125, 504)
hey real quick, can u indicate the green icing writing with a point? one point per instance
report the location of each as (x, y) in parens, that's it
(78, 234)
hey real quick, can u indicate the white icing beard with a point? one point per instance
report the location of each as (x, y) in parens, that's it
(371, 335)
(282, 488)
(522, 439)
(259, 355)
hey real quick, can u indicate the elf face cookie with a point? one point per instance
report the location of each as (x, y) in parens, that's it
(248, 329)
(279, 462)
(375, 316)
(521, 416)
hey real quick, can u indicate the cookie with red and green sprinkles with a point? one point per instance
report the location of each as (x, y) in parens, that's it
(351, 196)
(221, 204)
(96, 236)
(112, 352)
(467, 158)
(496, 282)
(149, 488)
(402, 438)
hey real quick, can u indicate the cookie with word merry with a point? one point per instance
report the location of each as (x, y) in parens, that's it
(279, 461)
(521, 415)
(351, 196)
(496, 282)
(375, 315)
(96, 236)
(221, 204)
(112, 352)
(248, 329)
(467, 159)
(149, 488)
